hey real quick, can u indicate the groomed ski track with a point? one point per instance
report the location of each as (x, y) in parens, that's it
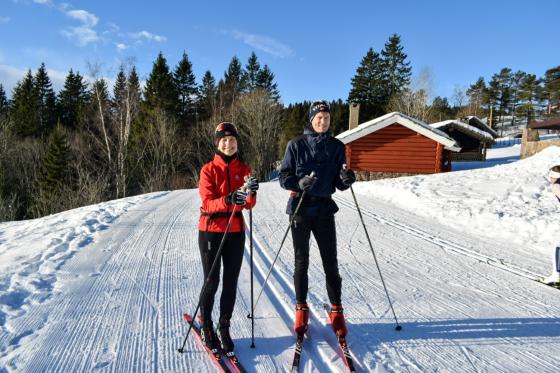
(465, 303)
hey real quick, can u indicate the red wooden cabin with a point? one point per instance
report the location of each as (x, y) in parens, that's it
(396, 143)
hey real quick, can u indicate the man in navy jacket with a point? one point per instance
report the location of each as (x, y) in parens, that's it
(316, 151)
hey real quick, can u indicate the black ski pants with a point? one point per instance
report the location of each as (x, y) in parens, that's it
(231, 258)
(324, 231)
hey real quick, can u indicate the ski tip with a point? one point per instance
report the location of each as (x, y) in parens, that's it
(187, 317)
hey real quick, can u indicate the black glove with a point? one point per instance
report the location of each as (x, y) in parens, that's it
(306, 182)
(238, 197)
(252, 184)
(347, 176)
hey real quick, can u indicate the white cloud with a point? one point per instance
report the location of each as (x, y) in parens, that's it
(82, 35)
(42, 1)
(263, 43)
(148, 36)
(88, 19)
(121, 46)
(4, 19)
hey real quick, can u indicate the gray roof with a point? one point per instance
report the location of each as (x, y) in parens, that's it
(477, 122)
(465, 128)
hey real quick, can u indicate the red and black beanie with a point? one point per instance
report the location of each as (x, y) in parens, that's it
(316, 107)
(225, 129)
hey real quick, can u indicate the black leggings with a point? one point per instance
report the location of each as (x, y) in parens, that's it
(232, 257)
(324, 231)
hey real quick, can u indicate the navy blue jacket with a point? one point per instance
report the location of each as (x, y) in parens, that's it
(319, 152)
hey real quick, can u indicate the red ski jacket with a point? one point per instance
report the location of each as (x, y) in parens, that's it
(217, 180)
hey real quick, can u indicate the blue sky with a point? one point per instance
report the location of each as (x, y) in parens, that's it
(313, 48)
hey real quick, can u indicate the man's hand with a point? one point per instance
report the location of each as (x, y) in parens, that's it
(307, 182)
(347, 176)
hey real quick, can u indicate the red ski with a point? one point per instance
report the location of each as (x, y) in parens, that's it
(347, 356)
(220, 358)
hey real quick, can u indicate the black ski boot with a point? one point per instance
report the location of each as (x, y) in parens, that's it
(209, 337)
(223, 330)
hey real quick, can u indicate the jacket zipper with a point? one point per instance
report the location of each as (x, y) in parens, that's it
(228, 183)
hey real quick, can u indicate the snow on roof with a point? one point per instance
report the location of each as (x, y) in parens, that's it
(484, 126)
(416, 125)
(465, 128)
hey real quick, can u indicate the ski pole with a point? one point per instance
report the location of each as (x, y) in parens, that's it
(212, 268)
(251, 255)
(251, 266)
(280, 248)
(398, 327)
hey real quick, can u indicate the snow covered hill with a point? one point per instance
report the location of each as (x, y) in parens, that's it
(103, 287)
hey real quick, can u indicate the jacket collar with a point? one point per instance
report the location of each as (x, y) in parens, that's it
(222, 159)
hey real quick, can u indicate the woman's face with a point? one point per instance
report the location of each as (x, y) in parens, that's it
(228, 145)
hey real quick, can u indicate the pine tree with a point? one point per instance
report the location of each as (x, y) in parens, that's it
(551, 90)
(441, 110)
(396, 70)
(134, 87)
(231, 85)
(490, 98)
(367, 86)
(72, 100)
(514, 84)
(475, 93)
(250, 76)
(119, 91)
(4, 105)
(24, 111)
(161, 93)
(207, 94)
(55, 172)
(501, 88)
(185, 83)
(47, 101)
(529, 92)
(265, 80)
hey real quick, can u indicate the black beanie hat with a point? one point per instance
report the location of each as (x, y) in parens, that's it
(316, 107)
(224, 129)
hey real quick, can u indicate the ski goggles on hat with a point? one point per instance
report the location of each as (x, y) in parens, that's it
(554, 174)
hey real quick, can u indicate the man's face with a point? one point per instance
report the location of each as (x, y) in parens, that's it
(321, 122)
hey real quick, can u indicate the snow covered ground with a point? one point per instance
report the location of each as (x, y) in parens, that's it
(103, 287)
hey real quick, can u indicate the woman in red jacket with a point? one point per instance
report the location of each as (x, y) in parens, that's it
(226, 187)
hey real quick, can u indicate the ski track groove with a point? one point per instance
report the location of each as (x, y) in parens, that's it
(443, 243)
(122, 332)
(311, 346)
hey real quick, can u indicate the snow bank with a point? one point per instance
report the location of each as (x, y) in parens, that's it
(511, 202)
(32, 251)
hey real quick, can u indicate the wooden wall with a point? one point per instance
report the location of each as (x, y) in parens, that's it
(396, 148)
